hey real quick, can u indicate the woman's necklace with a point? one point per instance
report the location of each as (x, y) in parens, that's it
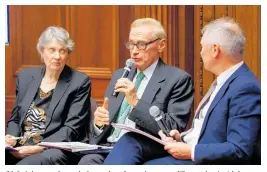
(43, 95)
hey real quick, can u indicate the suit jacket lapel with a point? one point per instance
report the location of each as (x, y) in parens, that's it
(31, 92)
(220, 94)
(154, 83)
(61, 87)
(150, 90)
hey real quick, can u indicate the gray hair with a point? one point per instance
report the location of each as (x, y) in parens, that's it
(228, 34)
(155, 25)
(58, 33)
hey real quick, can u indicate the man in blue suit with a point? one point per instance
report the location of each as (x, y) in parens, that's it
(226, 126)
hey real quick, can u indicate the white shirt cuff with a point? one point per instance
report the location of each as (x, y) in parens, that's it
(193, 153)
(98, 131)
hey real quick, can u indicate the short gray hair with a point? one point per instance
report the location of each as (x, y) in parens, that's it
(155, 25)
(228, 34)
(58, 33)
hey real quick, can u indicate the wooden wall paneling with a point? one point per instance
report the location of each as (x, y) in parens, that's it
(189, 39)
(208, 16)
(159, 13)
(10, 84)
(165, 15)
(162, 18)
(70, 25)
(96, 51)
(31, 28)
(115, 33)
(198, 65)
(185, 44)
(15, 20)
(139, 11)
(147, 9)
(94, 36)
(230, 11)
(10, 87)
(153, 9)
(249, 18)
(258, 47)
(126, 17)
(9, 81)
(220, 11)
(172, 32)
(167, 53)
(181, 37)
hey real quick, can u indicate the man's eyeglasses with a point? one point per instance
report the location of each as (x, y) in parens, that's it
(140, 45)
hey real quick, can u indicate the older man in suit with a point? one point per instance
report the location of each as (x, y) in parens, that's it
(226, 126)
(149, 83)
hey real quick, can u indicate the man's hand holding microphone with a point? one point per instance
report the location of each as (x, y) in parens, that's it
(123, 85)
(175, 147)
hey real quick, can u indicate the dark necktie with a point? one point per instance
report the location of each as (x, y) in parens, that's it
(125, 109)
(205, 99)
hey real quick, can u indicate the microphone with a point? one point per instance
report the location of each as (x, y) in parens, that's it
(129, 64)
(157, 114)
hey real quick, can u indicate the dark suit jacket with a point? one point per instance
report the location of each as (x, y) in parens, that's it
(169, 88)
(232, 124)
(69, 110)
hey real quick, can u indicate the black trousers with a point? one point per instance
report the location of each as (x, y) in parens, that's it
(47, 157)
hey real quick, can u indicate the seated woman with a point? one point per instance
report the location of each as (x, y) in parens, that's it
(52, 105)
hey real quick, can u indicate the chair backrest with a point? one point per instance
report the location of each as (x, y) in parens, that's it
(91, 120)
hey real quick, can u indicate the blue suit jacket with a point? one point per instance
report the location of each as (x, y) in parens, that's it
(232, 123)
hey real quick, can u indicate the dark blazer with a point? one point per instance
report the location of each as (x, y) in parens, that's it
(170, 88)
(232, 123)
(69, 110)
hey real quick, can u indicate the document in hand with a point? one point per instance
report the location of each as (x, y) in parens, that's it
(10, 148)
(77, 147)
(126, 127)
